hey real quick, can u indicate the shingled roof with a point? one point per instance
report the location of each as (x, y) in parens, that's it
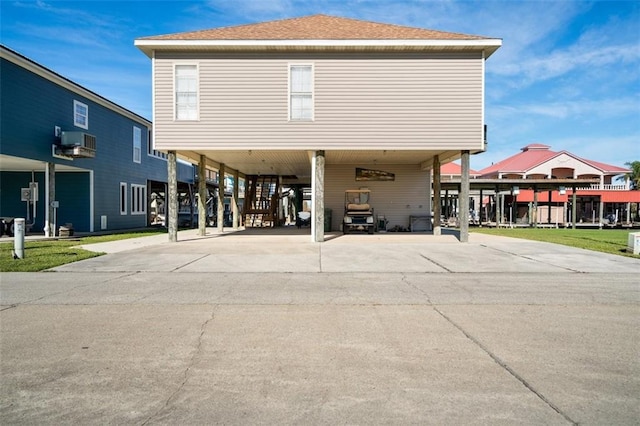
(317, 27)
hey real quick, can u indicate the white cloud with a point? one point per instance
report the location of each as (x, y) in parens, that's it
(562, 62)
(577, 109)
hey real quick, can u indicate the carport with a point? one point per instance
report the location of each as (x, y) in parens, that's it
(306, 168)
(40, 177)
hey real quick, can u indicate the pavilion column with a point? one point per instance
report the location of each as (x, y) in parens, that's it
(497, 208)
(436, 196)
(574, 208)
(317, 194)
(464, 197)
(480, 210)
(220, 219)
(601, 212)
(172, 199)
(202, 196)
(534, 212)
(629, 212)
(234, 204)
(533, 219)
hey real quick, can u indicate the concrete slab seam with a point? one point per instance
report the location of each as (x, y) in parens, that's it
(189, 263)
(506, 367)
(9, 307)
(435, 263)
(532, 259)
(190, 364)
(424, 293)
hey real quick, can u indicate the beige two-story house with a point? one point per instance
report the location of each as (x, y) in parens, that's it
(328, 102)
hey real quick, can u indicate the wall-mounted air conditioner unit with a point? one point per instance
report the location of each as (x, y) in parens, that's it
(78, 144)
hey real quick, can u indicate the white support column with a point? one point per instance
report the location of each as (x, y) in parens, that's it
(436, 196)
(202, 196)
(92, 202)
(317, 197)
(50, 197)
(234, 204)
(171, 206)
(601, 212)
(220, 219)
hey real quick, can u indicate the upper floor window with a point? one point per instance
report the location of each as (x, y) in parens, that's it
(186, 92)
(137, 144)
(80, 115)
(301, 92)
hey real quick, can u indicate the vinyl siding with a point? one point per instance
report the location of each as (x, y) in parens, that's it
(362, 101)
(407, 195)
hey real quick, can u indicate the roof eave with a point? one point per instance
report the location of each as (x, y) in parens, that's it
(489, 46)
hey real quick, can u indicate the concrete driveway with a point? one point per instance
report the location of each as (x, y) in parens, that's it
(269, 328)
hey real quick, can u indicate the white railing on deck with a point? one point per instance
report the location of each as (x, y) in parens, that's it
(605, 187)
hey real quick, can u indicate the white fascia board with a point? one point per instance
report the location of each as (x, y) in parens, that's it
(145, 44)
(479, 42)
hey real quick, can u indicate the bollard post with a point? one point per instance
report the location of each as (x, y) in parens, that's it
(18, 238)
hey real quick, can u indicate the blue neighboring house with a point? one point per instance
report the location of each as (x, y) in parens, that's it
(70, 156)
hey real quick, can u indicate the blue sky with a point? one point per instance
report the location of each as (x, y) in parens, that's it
(567, 75)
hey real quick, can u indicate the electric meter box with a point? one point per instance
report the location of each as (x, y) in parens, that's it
(25, 194)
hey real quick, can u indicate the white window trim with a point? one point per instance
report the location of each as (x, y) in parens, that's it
(137, 144)
(313, 92)
(123, 199)
(76, 123)
(175, 109)
(138, 207)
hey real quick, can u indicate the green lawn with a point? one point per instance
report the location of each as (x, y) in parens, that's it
(612, 241)
(45, 254)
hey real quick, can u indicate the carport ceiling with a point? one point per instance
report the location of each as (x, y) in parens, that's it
(298, 163)
(16, 164)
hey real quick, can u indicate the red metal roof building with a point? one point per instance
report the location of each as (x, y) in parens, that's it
(608, 202)
(454, 171)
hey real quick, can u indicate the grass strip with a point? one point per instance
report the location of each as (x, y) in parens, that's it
(613, 241)
(44, 254)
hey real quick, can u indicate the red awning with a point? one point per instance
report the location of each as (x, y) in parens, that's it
(620, 196)
(612, 196)
(526, 196)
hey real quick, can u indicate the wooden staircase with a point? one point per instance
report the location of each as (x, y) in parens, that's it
(261, 201)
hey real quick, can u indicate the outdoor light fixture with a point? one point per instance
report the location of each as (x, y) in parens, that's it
(515, 190)
(562, 190)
